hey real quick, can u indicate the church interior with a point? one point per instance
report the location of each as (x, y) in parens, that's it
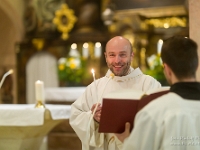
(60, 41)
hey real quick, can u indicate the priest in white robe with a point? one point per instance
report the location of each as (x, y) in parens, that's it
(119, 76)
(172, 121)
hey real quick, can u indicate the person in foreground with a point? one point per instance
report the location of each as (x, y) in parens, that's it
(172, 121)
(120, 75)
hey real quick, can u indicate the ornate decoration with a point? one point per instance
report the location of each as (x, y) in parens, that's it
(38, 43)
(167, 22)
(64, 20)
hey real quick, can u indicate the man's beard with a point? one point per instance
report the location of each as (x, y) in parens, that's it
(124, 70)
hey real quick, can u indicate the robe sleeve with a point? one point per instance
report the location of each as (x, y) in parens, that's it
(82, 123)
(145, 135)
(150, 83)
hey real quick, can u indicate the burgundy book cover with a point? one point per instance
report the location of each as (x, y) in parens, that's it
(116, 112)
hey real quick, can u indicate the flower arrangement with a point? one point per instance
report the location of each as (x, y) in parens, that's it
(72, 71)
(156, 68)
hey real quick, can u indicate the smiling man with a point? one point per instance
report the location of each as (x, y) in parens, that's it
(120, 76)
(119, 55)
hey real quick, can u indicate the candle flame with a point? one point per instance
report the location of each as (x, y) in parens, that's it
(10, 71)
(92, 71)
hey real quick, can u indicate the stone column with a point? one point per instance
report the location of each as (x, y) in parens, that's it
(194, 26)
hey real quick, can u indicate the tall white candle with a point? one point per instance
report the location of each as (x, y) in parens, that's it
(93, 74)
(159, 46)
(97, 50)
(85, 50)
(39, 91)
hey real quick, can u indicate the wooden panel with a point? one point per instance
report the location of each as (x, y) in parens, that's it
(134, 4)
(63, 141)
(63, 137)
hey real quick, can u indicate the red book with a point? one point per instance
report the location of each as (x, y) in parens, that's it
(116, 112)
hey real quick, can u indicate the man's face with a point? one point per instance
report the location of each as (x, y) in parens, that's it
(119, 59)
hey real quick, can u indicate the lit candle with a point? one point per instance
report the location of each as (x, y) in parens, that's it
(39, 91)
(93, 74)
(159, 46)
(85, 51)
(97, 52)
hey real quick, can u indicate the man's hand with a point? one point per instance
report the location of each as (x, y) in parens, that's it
(125, 134)
(97, 113)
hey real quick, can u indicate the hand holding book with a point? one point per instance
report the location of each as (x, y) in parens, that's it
(117, 111)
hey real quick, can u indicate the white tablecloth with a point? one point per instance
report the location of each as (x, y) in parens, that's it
(23, 127)
(68, 94)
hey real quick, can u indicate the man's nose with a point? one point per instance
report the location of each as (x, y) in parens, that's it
(117, 59)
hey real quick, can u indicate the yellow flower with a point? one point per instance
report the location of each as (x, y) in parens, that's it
(72, 65)
(61, 67)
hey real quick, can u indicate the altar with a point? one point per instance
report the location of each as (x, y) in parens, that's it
(23, 127)
(63, 136)
(63, 95)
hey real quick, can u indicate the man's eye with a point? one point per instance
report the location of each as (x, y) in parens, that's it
(123, 55)
(112, 55)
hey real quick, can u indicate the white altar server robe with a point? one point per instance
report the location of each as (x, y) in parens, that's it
(167, 123)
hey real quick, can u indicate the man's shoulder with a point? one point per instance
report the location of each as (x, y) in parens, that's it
(164, 100)
(149, 80)
(149, 77)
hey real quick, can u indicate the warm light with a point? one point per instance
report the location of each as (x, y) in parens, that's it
(97, 51)
(85, 45)
(93, 74)
(159, 46)
(166, 25)
(160, 41)
(92, 71)
(74, 46)
(97, 44)
(10, 71)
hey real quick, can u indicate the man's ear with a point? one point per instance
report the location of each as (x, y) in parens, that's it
(168, 70)
(132, 55)
(105, 54)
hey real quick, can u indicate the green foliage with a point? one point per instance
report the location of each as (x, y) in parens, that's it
(156, 68)
(72, 70)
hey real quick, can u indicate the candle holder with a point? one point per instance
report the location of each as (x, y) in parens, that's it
(39, 104)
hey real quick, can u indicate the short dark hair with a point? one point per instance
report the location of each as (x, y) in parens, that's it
(180, 54)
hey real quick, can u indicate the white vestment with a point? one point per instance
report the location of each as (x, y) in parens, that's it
(167, 123)
(80, 120)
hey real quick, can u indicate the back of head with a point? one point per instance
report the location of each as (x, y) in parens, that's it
(180, 54)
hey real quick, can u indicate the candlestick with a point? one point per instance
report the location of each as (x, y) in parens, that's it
(39, 94)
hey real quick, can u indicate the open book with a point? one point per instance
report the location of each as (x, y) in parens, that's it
(121, 107)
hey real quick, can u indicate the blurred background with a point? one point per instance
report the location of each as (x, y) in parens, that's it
(59, 41)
